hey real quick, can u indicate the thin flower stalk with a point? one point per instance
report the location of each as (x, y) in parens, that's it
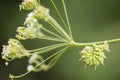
(48, 48)
(69, 27)
(60, 16)
(58, 27)
(56, 58)
(53, 34)
(52, 39)
(53, 55)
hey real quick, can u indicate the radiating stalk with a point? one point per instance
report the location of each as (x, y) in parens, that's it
(52, 39)
(48, 31)
(60, 16)
(56, 58)
(13, 77)
(58, 27)
(65, 10)
(47, 48)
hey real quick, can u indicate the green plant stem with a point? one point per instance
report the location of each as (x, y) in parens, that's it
(52, 39)
(60, 16)
(67, 18)
(47, 48)
(100, 42)
(56, 58)
(12, 76)
(52, 33)
(39, 2)
(59, 28)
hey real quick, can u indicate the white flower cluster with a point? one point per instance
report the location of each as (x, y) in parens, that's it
(29, 4)
(13, 50)
(35, 60)
(33, 29)
(94, 55)
(42, 13)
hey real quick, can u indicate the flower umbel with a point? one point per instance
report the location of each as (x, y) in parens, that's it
(13, 50)
(94, 55)
(61, 36)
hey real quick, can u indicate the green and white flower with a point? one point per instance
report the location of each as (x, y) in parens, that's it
(29, 4)
(13, 50)
(29, 32)
(42, 13)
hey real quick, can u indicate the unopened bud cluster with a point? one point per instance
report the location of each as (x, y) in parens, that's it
(94, 55)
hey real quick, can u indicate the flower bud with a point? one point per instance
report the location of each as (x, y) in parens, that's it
(29, 4)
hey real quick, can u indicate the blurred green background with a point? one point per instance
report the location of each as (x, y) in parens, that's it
(91, 20)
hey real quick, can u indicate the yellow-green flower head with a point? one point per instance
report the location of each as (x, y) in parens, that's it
(42, 13)
(13, 50)
(29, 4)
(29, 32)
(34, 60)
(94, 55)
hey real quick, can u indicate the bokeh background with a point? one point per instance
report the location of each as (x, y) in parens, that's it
(91, 20)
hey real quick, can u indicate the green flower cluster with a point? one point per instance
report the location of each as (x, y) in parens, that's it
(29, 4)
(94, 55)
(42, 13)
(29, 32)
(33, 29)
(13, 50)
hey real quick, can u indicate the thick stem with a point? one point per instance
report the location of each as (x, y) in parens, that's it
(91, 43)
